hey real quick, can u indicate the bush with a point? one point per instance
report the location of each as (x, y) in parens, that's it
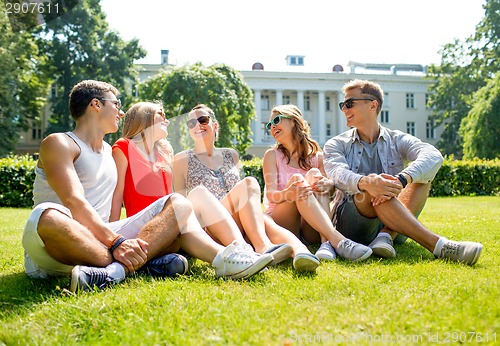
(17, 174)
(467, 178)
(455, 178)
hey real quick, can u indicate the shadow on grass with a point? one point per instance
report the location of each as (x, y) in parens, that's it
(19, 292)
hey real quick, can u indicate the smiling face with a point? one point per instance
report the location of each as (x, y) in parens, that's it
(280, 126)
(160, 124)
(110, 111)
(202, 124)
(362, 112)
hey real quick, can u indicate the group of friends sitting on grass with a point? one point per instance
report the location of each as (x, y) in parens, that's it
(356, 197)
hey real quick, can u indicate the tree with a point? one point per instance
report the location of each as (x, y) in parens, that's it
(481, 127)
(22, 88)
(465, 67)
(218, 86)
(80, 45)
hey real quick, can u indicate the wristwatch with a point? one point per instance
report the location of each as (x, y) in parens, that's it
(403, 180)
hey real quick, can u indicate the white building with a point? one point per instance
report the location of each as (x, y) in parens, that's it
(317, 94)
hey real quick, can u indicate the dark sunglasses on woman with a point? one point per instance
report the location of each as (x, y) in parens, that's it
(203, 120)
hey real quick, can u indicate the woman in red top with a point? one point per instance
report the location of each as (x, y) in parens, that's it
(144, 155)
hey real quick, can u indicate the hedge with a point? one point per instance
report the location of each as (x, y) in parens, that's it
(455, 178)
(17, 174)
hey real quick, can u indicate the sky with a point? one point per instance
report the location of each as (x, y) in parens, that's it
(326, 32)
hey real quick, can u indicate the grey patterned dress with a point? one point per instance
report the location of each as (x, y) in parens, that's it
(217, 181)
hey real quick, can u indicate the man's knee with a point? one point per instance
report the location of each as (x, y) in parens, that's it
(180, 205)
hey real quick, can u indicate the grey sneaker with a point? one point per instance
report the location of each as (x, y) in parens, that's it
(353, 251)
(280, 253)
(85, 278)
(305, 262)
(239, 261)
(464, 251)
(383, 247)
(169, 265)
(326, 252)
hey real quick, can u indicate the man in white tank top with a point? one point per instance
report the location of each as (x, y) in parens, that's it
(68, 231)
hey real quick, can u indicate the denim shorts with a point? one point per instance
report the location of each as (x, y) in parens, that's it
(39, 264)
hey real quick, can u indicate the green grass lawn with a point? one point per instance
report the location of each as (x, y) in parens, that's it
(412, 299)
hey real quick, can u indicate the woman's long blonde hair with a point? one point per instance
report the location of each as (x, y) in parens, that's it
(305, 147)
(140, 117)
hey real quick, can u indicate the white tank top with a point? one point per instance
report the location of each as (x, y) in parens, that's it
(97, 173)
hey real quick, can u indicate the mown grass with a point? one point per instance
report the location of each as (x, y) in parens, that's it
(411, 299)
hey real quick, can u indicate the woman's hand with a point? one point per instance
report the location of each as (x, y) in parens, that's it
(298, 190)
(322, 184)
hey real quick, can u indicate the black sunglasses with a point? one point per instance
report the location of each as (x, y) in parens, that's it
(349, 102)
(203, 120)
(275, 121)
(117, 103)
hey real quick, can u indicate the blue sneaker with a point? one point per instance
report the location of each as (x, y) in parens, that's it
(85, 278)
(170, 265)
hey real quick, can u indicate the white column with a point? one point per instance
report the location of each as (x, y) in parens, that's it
(300, 100)
(339, 114)
(321, 117)
(279, 97)
(257, 134)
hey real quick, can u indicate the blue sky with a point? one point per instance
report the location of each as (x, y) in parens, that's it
(326, 32)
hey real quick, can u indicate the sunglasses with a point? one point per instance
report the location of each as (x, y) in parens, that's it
(117, 103)
(275, 121)
(349, 102)
(203, 120)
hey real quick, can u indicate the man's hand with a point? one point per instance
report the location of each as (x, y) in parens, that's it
(382, 187)
(132, 253)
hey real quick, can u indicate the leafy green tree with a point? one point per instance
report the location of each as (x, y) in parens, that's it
(465, 67)
(480, 129)
(218, 86)
(80, 45)
(22, 88)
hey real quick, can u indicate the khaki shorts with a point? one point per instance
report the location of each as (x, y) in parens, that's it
(39, 264)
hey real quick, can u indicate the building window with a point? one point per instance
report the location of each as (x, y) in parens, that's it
(327, 103)
(386, 99)
(384, 117)
(328, 130)
(427, 97)
(410, 128)
(53, 91)
(430, 130)
(286, 100)
(295, 60)
(36, 133)
(264, 102)
(410, 101)
(307, 103)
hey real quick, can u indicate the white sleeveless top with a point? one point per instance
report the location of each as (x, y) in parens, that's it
(97, 173)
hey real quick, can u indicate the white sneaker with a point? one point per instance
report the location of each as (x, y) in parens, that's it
(239, 261)
(459, 251)
(383, 247)
(326, 252)
(353, 251)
